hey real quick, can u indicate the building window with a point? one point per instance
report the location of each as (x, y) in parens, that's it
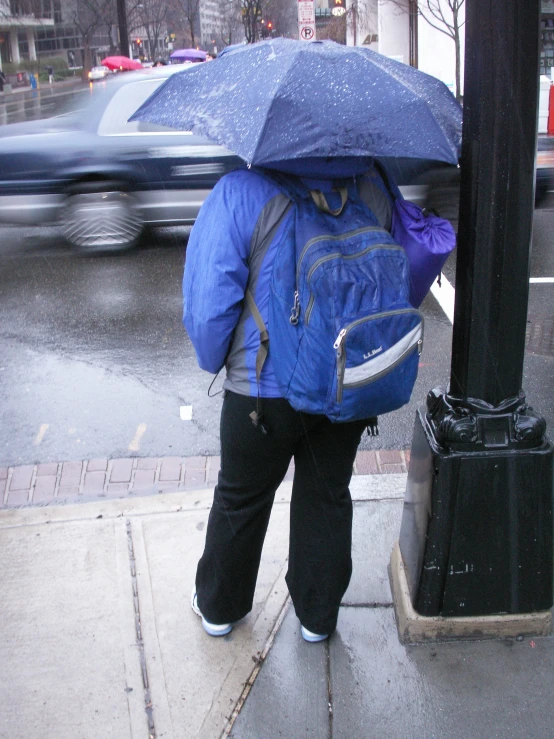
(547, 43)
(23, 43)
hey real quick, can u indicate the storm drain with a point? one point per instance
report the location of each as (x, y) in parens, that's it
(539, 337)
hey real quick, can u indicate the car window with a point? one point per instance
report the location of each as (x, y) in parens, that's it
(123, 104)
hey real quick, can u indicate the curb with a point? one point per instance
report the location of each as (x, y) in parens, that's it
(94, 479)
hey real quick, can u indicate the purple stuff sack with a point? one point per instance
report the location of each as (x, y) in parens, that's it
(427, 240)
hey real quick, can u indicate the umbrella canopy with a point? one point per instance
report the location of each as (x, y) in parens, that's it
(121, 62)
(282, 100)
(189, 55)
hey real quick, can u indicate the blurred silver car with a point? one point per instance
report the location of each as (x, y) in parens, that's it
(98, 73)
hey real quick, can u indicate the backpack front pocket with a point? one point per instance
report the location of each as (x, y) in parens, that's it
(370, 348)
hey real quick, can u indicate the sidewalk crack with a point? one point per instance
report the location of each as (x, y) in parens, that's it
(329, 688)
(138, 633)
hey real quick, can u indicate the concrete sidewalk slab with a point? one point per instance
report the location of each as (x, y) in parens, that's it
(297, 674)
(290, 697)
(97, 635)
(197, 680)
(477, 689)
(70, 667)
(375, 528)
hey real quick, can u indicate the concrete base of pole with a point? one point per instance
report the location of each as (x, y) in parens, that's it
(416, 629)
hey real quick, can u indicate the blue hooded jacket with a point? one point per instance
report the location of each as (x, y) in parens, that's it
(218, 268)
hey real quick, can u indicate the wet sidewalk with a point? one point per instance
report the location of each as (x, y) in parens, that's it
(98, 638)
(60, 86)
(25, 104)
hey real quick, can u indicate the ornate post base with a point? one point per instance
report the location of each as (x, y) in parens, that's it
(477, 528)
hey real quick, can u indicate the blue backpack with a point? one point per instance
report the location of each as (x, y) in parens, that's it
(344, 340)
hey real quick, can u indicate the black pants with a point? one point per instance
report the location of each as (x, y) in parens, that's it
(252, 468)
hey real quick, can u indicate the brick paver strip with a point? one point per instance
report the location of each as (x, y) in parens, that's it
(121, 470)
(170, 469)
(212, 470)
(71, 474)
(50, 468)
(117, 487)
(81, 481)
(147, 463)
(366, 463)
(94, 481)
(21, 478)
(390, 456)
(195, 471)
(68, 492)
(18, 497)
(44, 488)
(97, 465)
(143, 479)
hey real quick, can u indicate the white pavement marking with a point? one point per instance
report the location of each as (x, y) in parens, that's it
(444, 294)
(40, 436)
(185, 411)
(134, 446)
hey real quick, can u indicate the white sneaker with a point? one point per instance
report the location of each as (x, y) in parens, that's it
(311, 637)
(211, 629)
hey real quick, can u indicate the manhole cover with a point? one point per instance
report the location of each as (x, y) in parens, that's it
(539, 337)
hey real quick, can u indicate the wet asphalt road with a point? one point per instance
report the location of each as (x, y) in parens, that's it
(50, 100)
(94, 361)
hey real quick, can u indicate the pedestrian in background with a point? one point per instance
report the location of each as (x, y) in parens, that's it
(50, 71)
(255, 459)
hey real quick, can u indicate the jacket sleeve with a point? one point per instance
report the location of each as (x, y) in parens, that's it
(216, 267)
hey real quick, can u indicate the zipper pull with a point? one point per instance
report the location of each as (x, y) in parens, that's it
(419, 346)
(338, 342)
(295, 312)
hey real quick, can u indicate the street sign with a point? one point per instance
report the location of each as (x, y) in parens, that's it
(306, 20)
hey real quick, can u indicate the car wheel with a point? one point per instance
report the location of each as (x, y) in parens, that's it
(101, 219)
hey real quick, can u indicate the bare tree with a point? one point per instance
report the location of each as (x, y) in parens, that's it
(190, 10)
(446, 16)
(149, 17)
(230, 24)
(251, 13)
(88, 16)
(283, 14)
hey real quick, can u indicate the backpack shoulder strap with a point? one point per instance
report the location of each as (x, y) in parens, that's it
(269, 220)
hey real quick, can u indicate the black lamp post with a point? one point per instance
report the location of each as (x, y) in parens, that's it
(476, 535)
(123, 32)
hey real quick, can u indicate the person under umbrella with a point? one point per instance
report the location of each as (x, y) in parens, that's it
(225, 260)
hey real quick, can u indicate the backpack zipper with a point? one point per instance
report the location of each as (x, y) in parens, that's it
(295, 312)
(341, 354)
(322, 260)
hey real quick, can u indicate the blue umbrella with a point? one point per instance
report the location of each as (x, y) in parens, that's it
(282, 100)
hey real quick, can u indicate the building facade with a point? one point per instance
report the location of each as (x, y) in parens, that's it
(19, 25)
